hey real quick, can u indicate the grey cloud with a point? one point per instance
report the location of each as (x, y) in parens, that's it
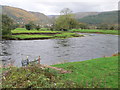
(56, 7)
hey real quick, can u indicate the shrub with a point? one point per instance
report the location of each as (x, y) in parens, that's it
(28, 26)
(37, 27)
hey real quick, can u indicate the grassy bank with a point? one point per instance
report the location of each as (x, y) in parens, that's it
(23, 34)
(100, 72)
(95, 73)
(96, 31)
(23, 30)
(23, 37)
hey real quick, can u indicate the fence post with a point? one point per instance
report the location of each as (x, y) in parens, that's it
(27, 61)
(39, 60)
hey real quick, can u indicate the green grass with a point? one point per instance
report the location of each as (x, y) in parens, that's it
(42, 29)
(95, 31)
(57, 36)
(100, 72)
(23, 30)
(95, 73)
(22, 33)
(66, 35)
(30, 36)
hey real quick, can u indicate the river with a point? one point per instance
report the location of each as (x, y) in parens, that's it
(54, 51)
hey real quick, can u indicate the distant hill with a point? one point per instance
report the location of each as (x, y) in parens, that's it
(41, 17)
(110, 17)
(23, 16)
(79, 15)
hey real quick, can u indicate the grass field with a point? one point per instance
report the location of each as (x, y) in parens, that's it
(95, 73)
(95, 31)
(100, 72)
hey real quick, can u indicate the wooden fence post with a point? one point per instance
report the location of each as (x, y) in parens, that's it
(39, 60)
(27, 60)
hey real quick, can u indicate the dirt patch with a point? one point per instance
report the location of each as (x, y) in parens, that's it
(61, 70)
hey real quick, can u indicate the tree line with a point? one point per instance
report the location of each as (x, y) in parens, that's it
(64, 22)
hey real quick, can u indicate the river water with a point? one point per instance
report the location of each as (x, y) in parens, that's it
(54, 51)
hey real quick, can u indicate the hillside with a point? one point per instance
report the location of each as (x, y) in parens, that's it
(78, 15)
(110, 17)
(22, 16)
(84, 14)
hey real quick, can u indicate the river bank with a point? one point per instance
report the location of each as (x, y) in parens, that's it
(114, 32)
(95, 73)
(23, 34)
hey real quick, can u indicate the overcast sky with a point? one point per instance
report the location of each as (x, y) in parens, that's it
(53, 7)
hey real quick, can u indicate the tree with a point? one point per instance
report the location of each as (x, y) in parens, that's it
(15, 26)
(103, 26)
(83, 25)
(65, 11)
(7, 25)
(112, 28)
(66, 20)
(37, 27)
(30, 26)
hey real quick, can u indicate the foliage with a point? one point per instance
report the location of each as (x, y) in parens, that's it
(95, 73)
(34, 77)
(65, 21)
(82, 26)
(37, 27)
(7, 25)
(30, 26)
(103, 26)
(15, 26)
